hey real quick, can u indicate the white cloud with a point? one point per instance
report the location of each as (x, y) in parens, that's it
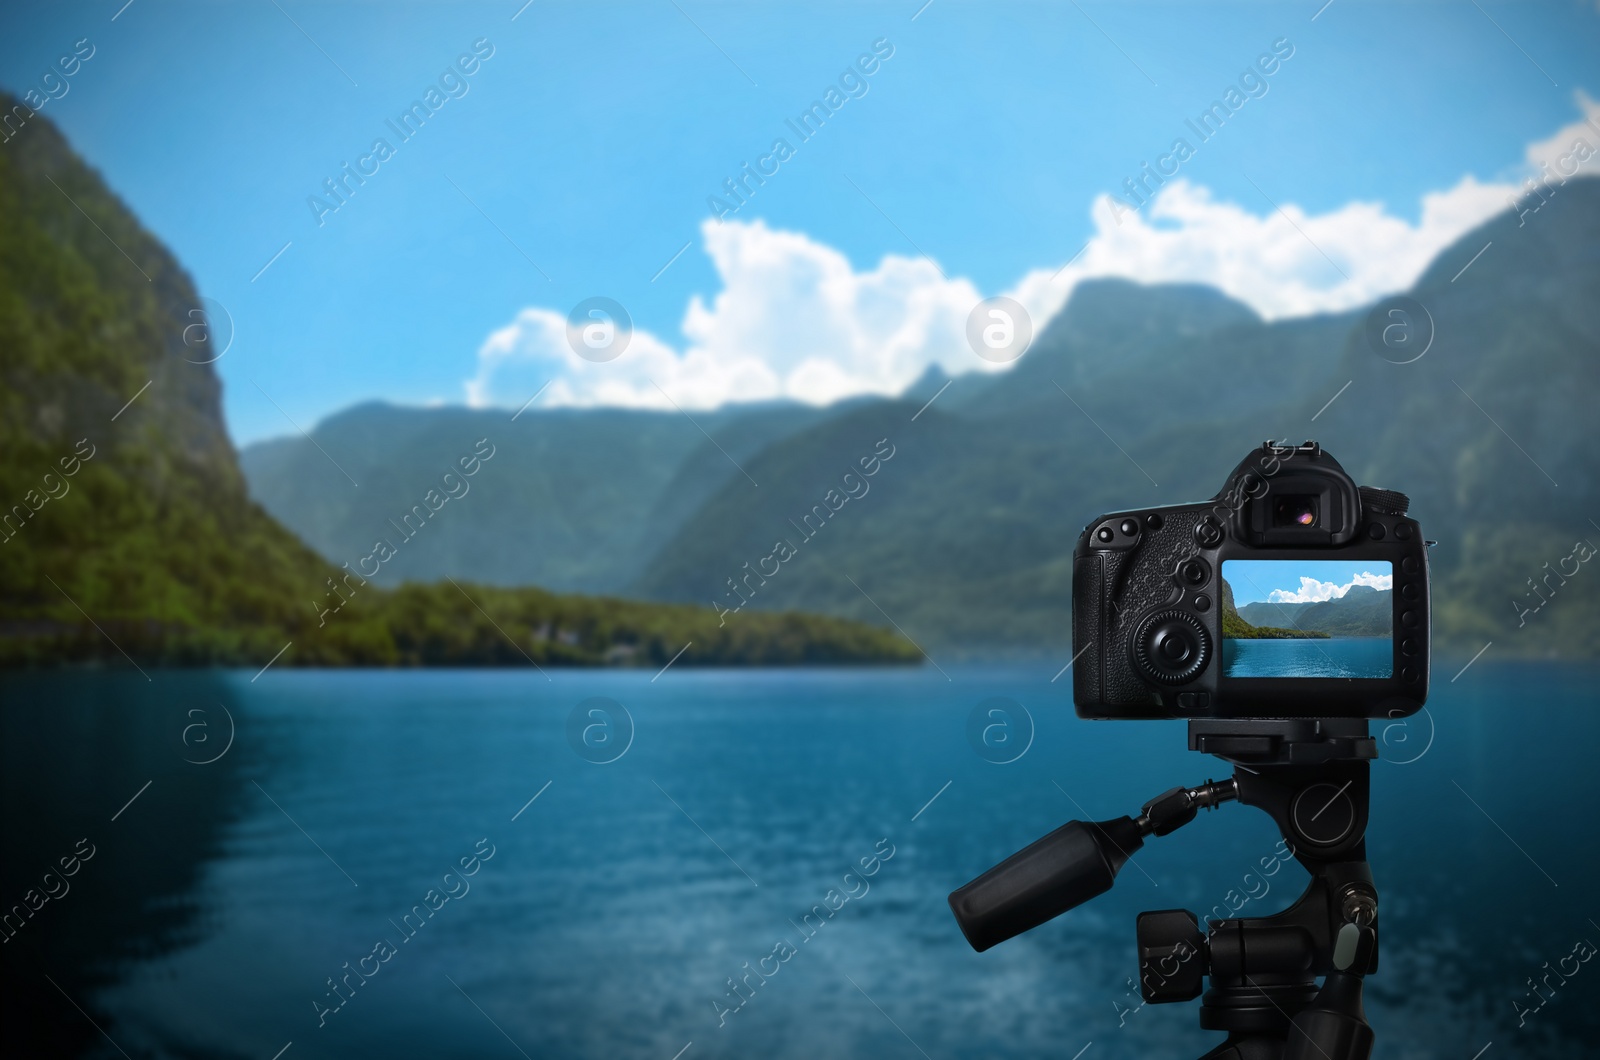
(1312, 590)
(1553, 151)
(794, 319)
(1284, 264)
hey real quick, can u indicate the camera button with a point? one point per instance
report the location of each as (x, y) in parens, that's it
(1130, 527)
(1202, 602)
(1194, 572)
(1153, 521)
(1410, 591)
(1408, 646)
(1403, 531)
(1408, 674)
(1194, 700)
(1409, 564)
(1408, 619)
(1208, 532)
(1104, 533)
(1376, 531)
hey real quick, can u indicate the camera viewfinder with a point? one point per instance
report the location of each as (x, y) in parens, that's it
(1295, 510)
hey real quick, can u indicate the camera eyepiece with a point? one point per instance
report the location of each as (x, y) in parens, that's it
(1297, 509)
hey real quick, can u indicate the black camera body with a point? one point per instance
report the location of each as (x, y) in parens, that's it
(1293, 593)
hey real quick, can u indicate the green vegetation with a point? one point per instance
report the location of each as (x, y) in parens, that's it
(439, 625)
(138, 521)
(473, 625)
(1236, 628)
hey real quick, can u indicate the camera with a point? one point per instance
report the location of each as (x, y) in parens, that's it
(1277, 617)
(1293, 593)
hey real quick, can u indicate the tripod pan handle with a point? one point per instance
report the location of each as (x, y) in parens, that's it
(1071, 865)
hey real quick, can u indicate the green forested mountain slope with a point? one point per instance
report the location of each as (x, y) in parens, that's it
(1264, 613)
(968, 545)
(576, 499)
(1361, 612)
(1492, 433)
(1260, 620)
(966, 535)
(126, 518)
(153, 535)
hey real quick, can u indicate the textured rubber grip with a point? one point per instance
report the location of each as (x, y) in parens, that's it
(1384, 502)
(1066, 868)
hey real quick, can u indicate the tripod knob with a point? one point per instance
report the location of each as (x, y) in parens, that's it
(1172, 956)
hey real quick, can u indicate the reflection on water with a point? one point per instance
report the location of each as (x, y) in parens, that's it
(76, 748)
(384, 863)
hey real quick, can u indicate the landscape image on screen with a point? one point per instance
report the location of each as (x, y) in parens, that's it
(1307, 618)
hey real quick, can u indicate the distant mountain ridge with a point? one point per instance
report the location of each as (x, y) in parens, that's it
(1267, 612)
(564, 506)
(966, 539)
(1363, 611)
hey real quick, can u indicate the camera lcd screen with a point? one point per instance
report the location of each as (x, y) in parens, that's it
(1307, 618)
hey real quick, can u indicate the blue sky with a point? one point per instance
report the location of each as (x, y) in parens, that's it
(595, 134)
(1297, 581)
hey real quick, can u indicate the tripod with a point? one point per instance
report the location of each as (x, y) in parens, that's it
(1311, 777)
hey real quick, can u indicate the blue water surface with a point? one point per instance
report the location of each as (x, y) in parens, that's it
(606, 917)
(1308, 657)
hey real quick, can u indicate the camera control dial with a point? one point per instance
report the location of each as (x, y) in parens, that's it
(1171, 647)
(1386, 502)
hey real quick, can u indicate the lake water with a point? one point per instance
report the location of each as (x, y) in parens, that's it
(605, 918)
(1308, 657)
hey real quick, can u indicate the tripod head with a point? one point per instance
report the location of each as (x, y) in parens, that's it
(1311, 777)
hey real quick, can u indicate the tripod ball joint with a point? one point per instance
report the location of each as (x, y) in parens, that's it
(1176, 807)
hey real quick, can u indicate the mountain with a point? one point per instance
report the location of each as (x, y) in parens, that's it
(927, 386)
(974, 556)
(1107, 326)
(129, 532)
(1263, 613)
(1132, 396)
(1149, 357)
(1361, 612)
(1244, 624)
(1485, 432)
(575, 500)
(123, 498)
